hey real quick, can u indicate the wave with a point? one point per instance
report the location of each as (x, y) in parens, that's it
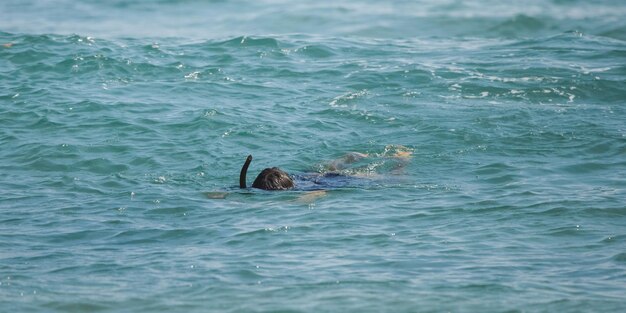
(521, 25)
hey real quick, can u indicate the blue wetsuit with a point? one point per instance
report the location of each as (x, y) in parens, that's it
(315, 181)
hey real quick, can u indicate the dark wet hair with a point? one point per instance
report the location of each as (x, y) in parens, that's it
(273, 179)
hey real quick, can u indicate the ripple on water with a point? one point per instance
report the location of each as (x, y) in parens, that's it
(620, 258)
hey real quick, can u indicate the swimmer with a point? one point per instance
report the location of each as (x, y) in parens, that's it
(335, 174)
(276, 179)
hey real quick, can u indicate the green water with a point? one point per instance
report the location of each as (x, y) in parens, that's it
(494, 181)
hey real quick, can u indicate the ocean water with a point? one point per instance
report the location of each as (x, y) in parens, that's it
(494, 180)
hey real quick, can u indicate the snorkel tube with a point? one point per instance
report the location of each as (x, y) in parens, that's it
(244, 171)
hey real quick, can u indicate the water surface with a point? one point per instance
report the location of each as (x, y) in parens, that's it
(120, 119)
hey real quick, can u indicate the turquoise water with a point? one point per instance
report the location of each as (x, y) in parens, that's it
(124, 125)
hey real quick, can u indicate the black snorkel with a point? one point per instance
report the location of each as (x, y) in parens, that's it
(244, 171)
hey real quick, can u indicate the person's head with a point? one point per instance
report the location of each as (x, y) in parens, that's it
(273, 179)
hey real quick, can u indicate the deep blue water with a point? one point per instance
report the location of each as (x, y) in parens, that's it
(494, 181)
